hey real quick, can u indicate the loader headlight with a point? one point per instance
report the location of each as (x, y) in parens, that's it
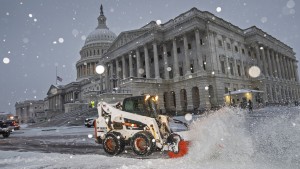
(147, 97)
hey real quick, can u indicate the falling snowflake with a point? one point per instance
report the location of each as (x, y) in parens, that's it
(35, 20)
(83, 37)
(264, 19)
(7, 13)
(8, 52)
(254, 71)
(54, 42)
(219, 9)
(169, 69)
(90, 136)
(6, 60)
(158, 22)
(25, 40)
(188, 117)
(100, 69)
(30, 15)
(61, 40)
(290, 4)
(141, 71)
(75, 32)
(261, 48)
(111, 10)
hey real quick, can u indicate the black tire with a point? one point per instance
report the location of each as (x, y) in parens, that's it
(114, 143)
(6, 134)
(142, 143)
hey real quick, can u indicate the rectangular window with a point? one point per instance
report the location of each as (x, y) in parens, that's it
(204, 65)
(192, 68)
(226, 89)
(231, 68)
(236, 49)
(169, 53)
(220, 43)
(180, 71)
(159, 57)
(189, 46)
(239, 70)
(228, 46)
(201, 42)
(178, 50)
(246, 72)
(223, 66)
(243, 51)
(249, 53)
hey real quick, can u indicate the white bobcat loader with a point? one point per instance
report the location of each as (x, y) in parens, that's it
(136, 123)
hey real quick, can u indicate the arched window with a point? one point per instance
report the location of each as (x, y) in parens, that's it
(195, 97)
(183, 99)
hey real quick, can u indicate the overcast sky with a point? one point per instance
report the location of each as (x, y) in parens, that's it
(38, 35)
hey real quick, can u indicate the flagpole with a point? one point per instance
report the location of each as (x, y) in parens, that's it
(56, 74)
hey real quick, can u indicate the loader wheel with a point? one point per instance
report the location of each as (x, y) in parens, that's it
(142, 143)
(6, 134)
(114, 143)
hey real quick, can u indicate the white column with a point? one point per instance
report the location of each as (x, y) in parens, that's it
(117, 69)
(138, 62)
(286, 67)
(106, 78)
(147, 67)
(198, 52)
(296, 71)
(166, 72)
(111, 75)
(264, 62)
(156, 64)
(175, 63)
(242, 69)
(123, 67)
(271, 71)
(279, 72)
(187, 58)
(258, 57)
(290, 67)
(235, 71)
(130, 66)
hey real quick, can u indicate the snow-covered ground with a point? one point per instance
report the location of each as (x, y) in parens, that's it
(228, 138)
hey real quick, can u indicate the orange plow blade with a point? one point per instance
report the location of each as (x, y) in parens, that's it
(183, 147)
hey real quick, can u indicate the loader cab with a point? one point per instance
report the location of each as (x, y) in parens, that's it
(141, 105)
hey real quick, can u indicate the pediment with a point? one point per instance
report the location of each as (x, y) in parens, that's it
(127, 36)
(53, 90)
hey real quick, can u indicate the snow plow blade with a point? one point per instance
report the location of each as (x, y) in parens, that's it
(183, 147)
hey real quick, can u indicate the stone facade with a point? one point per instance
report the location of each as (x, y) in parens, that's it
(190, 62)
(30, 111)
(194, 59)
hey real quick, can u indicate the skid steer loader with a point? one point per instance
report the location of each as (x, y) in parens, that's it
(136, 123)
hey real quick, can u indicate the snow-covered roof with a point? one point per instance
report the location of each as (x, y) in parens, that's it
(240, 91)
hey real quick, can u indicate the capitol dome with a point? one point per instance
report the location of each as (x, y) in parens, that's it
(100, 35)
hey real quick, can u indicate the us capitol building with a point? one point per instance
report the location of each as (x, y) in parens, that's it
(190, 61)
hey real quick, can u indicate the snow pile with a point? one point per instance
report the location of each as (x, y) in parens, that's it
(221, 137)
(229, 138)
(277, 137)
